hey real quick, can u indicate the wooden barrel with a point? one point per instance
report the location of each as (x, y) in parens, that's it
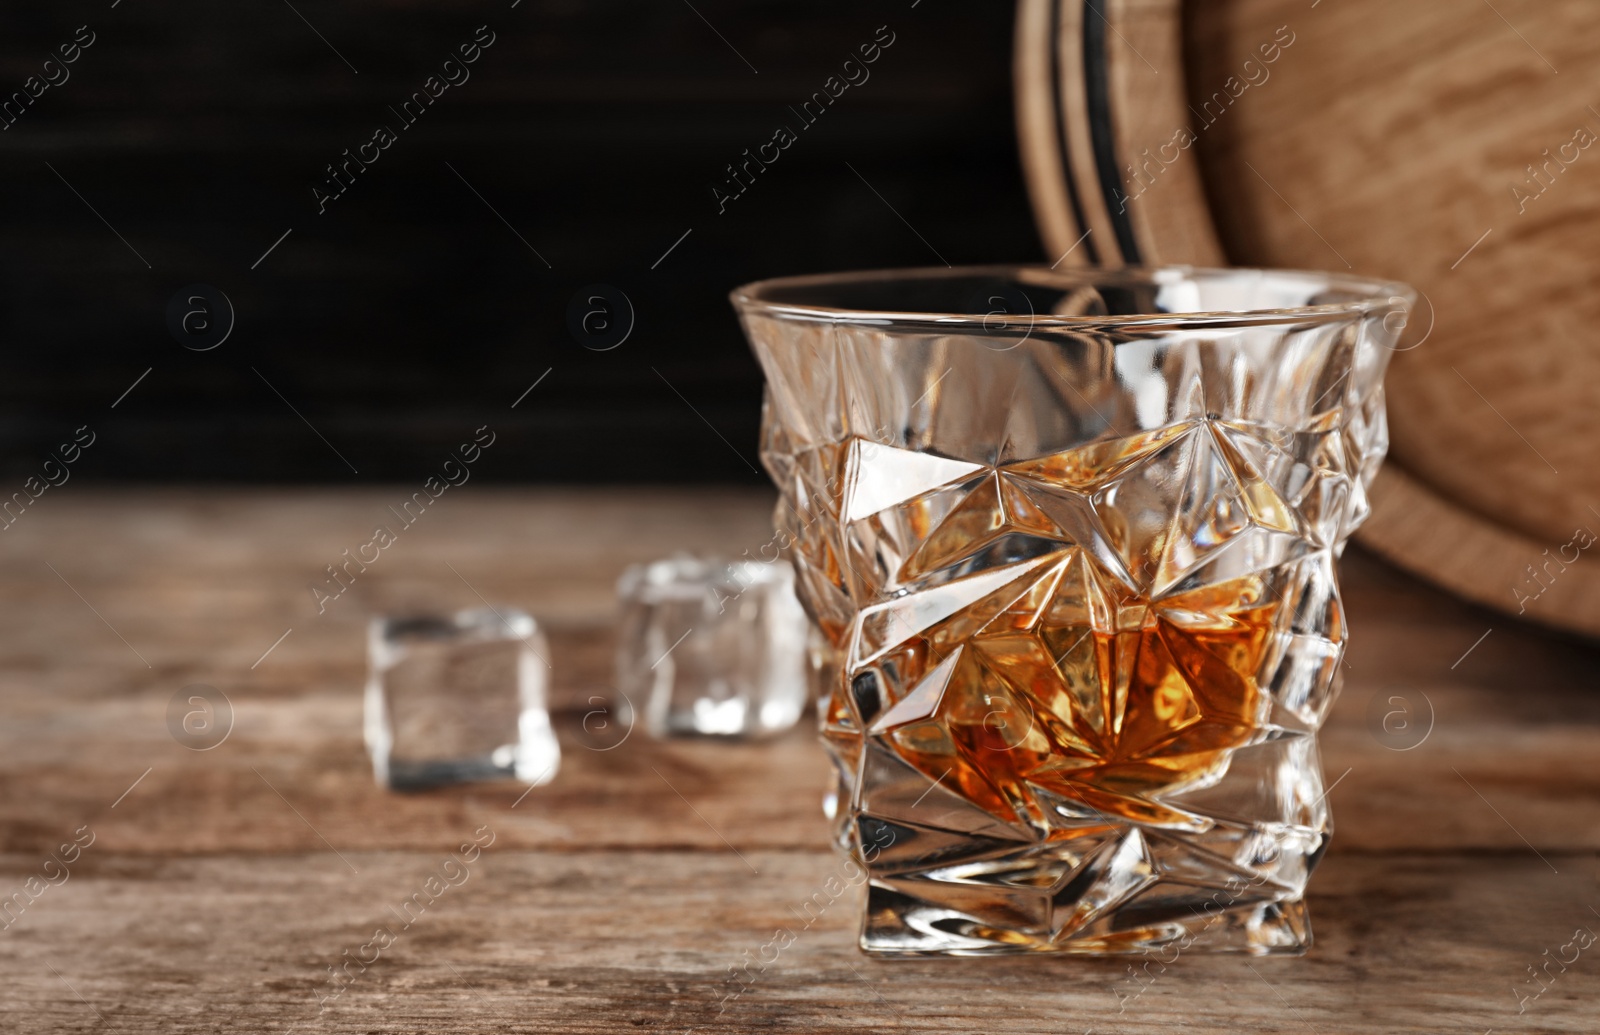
(1446, 144)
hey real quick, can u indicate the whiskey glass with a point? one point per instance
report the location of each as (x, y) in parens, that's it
(1070, 538)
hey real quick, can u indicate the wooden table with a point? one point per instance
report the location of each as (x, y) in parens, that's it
(221, 885)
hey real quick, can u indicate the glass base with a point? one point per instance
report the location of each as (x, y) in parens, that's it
(899, 925)
(1106, 890)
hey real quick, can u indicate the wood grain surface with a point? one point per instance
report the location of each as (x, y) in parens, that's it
(1449, 145)
(221, 885)
(1408, 141)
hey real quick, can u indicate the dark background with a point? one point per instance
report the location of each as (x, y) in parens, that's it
(409, 313)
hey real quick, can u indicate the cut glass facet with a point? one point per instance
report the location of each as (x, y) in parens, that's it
(1075, 571)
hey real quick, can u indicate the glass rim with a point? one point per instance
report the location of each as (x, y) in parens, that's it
(1375, 296)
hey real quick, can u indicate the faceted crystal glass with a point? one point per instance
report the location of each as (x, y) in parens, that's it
(1069, 539)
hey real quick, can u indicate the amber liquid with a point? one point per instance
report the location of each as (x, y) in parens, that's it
(1105, 718)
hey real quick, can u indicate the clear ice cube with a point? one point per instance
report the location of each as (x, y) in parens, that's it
(712, 648)
(455, 698)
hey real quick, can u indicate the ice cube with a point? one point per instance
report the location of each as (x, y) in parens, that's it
(454, 698)
(712, 648)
